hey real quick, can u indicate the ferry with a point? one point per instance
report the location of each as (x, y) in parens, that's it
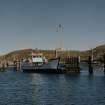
(38, 63)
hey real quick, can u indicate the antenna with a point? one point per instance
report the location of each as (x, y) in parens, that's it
(60, 29)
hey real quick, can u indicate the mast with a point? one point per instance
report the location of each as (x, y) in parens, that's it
(60, 46)
(60, 29)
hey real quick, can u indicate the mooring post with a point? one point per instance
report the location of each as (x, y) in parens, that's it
(90, 65)
(56, 54)
(14, 65)
(18, 65)
(104, 62)
(78, 61)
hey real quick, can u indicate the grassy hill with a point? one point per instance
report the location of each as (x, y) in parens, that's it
(97, 52)
(26, 53)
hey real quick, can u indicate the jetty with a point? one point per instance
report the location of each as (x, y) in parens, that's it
(70, 65)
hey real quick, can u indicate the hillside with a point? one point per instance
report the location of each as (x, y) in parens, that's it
(26, 53)
(97, 52)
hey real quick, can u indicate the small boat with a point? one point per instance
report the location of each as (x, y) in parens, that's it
(38, 63)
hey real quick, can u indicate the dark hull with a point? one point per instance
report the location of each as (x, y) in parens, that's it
(56, 71)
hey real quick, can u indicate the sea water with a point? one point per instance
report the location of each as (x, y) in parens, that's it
(19, 88)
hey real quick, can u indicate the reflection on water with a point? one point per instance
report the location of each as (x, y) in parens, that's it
(17, 88)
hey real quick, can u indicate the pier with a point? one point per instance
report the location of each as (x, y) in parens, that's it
(72, 65)
(16, 65)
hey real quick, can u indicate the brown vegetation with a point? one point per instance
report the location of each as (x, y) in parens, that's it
(26, 53)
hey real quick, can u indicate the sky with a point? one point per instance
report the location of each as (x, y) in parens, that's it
(33, 24)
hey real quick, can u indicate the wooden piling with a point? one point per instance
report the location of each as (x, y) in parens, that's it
(90, 65)
(56, 55)
(72, 65)
(18, 65)
(104, 62)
